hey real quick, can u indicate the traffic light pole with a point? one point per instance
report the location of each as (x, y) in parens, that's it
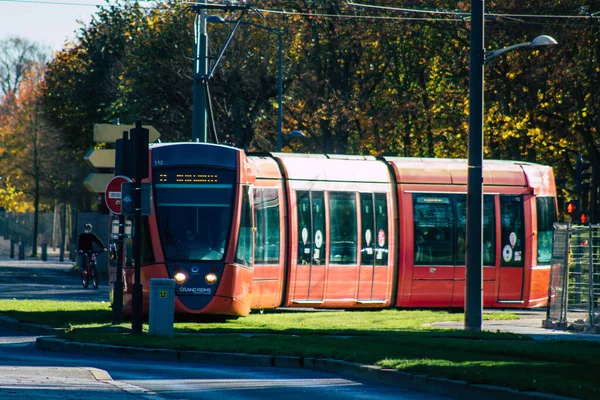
(139, 147)
(122, 167)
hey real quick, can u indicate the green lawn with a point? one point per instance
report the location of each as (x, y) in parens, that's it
(390, 338)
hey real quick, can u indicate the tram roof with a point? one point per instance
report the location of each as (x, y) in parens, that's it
(454, 171)
(337, 168)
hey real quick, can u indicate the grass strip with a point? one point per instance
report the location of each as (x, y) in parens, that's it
(403, 340)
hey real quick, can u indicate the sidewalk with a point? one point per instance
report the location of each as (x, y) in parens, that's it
(530, 324)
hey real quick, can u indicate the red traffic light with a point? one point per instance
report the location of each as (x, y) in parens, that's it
(571, 207)
(583, 218)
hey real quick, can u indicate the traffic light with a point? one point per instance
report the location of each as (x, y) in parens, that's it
(572, 208)
(583, 176)
(584, 218)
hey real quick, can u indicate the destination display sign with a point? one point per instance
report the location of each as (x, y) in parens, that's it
(176, 177)
(196, 176)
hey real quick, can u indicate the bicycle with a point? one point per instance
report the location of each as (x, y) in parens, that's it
(90, 270)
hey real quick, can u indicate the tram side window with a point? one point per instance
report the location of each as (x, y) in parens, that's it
(546, 217)
(342, 224)
(266, 217)
(304, 227)
(489, 230)
(318, 223)
(381, 221)
(367, 229)
(244, 245)
(433, 223)
(512, 240)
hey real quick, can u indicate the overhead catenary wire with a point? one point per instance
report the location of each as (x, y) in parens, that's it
(349, 16)
(467, 14)
(78, 4)
(463, 16)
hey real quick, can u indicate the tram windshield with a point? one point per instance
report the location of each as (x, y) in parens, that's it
(193, 212)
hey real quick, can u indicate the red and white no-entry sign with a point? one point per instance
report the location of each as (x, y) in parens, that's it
(112, 193)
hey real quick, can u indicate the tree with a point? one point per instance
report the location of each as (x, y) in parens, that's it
(17, 57)
(34, 147)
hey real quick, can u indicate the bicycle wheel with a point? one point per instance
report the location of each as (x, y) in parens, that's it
(94, 277)
(85, 279)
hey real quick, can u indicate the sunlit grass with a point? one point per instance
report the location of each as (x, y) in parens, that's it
(402, 340)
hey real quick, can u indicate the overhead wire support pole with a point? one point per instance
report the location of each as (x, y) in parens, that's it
(474, 264)
(218, 59)
(201, 75)
(199, 126)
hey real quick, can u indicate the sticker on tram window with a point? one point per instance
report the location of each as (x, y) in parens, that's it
(381, 238)
(517, 256)
(379, 254)
(317, 253)
(318, 239)
(512, 239)
(304, 235)
(507, 253)
(368, 237)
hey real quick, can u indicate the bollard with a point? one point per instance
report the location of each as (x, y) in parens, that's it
(12, 248)
(21, 251)
(44, 251)
(162, 307)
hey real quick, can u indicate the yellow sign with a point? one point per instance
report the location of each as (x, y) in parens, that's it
(101, 158)
(96, 183)
(163, 294)
(107, 133)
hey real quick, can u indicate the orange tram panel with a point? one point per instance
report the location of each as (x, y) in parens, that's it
(244, 231)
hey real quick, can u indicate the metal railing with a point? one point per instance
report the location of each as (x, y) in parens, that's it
(574, 290)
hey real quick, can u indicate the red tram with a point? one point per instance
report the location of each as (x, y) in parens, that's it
(240, 231)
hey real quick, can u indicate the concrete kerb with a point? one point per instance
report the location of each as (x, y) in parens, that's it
(422, 383)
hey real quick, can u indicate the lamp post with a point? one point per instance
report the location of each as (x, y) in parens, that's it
(474, 259)
(279, 33)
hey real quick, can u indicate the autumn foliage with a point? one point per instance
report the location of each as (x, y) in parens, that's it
(355, 80)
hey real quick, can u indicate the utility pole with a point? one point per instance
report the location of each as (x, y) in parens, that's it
(474, 267)
(201, 67)
(199, 125)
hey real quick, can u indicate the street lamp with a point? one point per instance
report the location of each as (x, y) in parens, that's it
(279, 33)
(474, 262)
(543, 40)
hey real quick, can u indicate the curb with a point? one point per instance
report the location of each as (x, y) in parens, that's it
(391, 377)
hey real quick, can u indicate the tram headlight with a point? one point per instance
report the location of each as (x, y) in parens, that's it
(179, 277)
(210, 278)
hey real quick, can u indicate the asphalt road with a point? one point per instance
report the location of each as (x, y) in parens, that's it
(32, 279)
(28, 373)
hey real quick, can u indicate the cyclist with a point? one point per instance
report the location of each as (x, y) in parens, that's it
(85, 244)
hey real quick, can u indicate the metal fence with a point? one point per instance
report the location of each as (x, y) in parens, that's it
(64, 224)
(574, 291)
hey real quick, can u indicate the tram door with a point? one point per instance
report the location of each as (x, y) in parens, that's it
(372, 277)
(512, 242)
(310, 269)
